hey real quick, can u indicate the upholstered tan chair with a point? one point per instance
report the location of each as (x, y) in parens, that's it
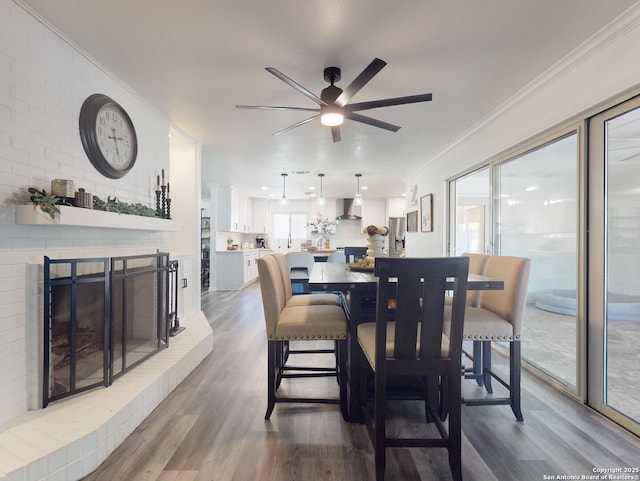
(300, 265)
(301, 299)
(299, 323)
(414, 346)
(499, 318)
(476, 266)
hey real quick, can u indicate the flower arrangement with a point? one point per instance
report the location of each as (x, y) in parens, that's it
(372, 230)
(323, 227)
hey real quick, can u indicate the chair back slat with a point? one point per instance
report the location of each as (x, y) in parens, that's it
(432, 317)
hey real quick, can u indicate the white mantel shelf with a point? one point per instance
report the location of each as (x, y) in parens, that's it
(77, 217)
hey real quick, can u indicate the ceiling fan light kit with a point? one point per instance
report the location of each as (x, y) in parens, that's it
(331, 116)
(334, 104)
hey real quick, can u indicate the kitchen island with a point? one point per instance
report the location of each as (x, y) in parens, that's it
(236, 269)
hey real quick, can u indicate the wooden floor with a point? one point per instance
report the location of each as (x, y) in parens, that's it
(212, 426)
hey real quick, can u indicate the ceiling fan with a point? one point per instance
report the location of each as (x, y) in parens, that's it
(334, 102)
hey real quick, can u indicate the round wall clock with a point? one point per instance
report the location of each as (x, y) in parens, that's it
(108, 136)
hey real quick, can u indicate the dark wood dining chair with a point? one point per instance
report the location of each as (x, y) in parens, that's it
(413, 346)
(353, 253)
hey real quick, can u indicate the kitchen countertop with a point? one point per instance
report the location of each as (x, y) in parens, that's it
(227, 251)
(321, 251)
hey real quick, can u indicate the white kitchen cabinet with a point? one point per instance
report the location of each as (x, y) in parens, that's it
(246, 214)
(237, 269)
(235, 207)
(260, 216)
(234, 210)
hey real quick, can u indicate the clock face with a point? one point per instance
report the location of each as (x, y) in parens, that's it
(108, 136)
(115, 137)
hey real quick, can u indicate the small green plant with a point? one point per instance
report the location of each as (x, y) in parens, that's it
(48, 203)
(120, 207)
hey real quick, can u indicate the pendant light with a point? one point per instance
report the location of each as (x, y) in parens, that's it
(284, 200)
(358, 199)
(321, 200)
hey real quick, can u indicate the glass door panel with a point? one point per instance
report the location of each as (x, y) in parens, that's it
(472, 201)
(615, 286)
(536, 216)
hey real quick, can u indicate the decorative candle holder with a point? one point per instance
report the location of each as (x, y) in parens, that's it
(164, 201)
(168, 214)
(159, 213)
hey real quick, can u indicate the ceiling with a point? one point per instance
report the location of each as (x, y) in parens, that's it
(195, 60)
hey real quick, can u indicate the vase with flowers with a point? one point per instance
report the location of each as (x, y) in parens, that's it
(322, 228)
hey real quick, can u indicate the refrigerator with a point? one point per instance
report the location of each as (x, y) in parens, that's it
(396, 236)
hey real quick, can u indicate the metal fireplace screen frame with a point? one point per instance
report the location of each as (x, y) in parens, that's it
(128, 275)
(61, 377)
(89, 306)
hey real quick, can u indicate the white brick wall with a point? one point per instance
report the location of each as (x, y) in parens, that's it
(43, 82)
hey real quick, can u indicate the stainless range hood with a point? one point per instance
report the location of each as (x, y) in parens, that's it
(347, 210)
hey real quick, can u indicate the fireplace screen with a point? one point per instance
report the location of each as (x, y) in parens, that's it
(76, 312)
(139, 290)
(102, 317)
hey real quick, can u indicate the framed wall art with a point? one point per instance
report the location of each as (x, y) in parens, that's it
(426, 213)
(412, 221)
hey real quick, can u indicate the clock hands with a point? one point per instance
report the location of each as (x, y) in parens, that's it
(115, 140)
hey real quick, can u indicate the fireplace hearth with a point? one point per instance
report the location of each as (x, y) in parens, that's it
(103, 317)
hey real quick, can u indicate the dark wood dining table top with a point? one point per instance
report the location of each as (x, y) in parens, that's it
(339, 276)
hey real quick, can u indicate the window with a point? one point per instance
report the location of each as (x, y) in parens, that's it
(290, 226)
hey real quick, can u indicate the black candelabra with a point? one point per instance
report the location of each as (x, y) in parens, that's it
(163, 199)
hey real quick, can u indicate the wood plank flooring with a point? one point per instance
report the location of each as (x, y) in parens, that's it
(212, 427)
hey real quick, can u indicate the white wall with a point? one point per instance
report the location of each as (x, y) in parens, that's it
(43, 82)
(597, 71)
(185, 244)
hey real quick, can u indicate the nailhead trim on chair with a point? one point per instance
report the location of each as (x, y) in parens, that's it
(319, 338)
(477, 337)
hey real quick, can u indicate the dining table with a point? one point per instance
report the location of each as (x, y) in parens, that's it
(360, 284)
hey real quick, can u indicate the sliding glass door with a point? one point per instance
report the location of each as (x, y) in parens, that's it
(471, 203)
(614, 264)
(536, 216)
(527, 205)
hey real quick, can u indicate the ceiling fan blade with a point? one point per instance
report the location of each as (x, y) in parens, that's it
(374, 104)
(360, 81)
(335, 133)
(268, 107)
(295, 85)
(370, 121)
(298, 124)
